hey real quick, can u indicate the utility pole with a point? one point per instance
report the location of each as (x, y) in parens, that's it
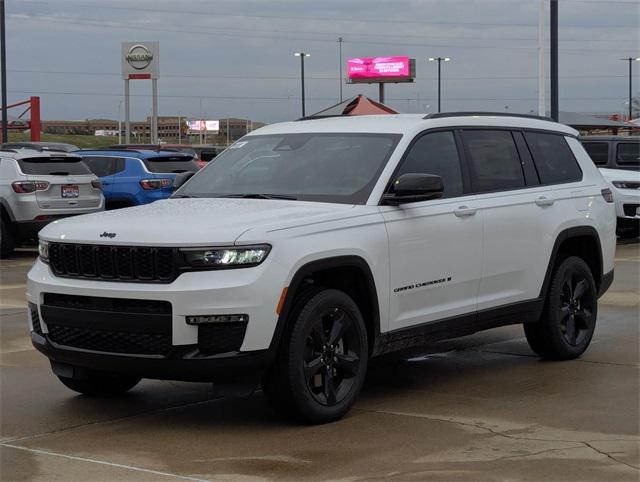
(555, 111)
(439, 60)
(302, 55)
(542, 104)
(340, 54)
(631, 60)
(3, 68)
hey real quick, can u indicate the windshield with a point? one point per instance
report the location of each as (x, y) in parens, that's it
(340, 167)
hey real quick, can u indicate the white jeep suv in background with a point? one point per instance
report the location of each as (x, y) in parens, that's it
(37, 187)
(310, 247)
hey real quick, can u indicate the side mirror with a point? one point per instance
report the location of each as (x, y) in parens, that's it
(412, 187)
(181, 178)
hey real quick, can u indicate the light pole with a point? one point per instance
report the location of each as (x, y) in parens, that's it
(631, 60)
(340, 55)
(302, 55)
(439, 60)
(3, 73)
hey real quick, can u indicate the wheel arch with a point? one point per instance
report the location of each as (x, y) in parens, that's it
(350, 274)
(581, 241)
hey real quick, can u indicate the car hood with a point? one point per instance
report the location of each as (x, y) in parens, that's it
(620, 175)
(190, 222)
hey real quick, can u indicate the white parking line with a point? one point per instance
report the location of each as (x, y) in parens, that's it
(102, 462)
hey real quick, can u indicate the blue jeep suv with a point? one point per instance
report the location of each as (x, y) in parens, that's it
(133, 177)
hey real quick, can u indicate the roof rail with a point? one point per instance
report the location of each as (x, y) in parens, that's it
(442, 115)
(6, 149)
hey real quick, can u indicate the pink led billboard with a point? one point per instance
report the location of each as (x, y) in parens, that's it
(378, 68)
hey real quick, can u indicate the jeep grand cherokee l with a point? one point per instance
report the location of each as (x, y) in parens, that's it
(310, 247)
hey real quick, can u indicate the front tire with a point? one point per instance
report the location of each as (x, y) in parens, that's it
(323, 362)
(100, 385)
(569, 317)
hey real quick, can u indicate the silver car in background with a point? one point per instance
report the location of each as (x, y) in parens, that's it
(37, 187)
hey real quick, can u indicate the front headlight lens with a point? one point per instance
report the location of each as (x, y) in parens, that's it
(43, 250)
(626, 184)
(226, 257)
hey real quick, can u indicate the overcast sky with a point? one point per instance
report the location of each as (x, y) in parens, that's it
(235, 57)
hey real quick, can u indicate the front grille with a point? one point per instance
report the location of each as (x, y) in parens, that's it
(217, 338)
(35, 319)
(630, 209)
(110, 341)
(117, 305)
(113, 263)
(111, 325)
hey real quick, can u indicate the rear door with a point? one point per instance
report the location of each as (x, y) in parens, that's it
(435, 246)
(68, 178)
(516, 219)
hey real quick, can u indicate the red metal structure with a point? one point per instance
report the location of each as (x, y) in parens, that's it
(33, 124)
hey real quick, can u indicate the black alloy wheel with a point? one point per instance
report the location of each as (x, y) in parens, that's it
(576, 309)
(332, 356)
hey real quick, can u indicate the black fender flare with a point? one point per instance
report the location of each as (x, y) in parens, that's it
(349, 261)
(569, 233)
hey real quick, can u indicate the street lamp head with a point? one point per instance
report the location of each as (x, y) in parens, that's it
(432, 59)
(447, 59)
(302, 54)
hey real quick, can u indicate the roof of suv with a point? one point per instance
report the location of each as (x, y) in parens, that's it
(27, 153)
(406, 123)
(137, 153)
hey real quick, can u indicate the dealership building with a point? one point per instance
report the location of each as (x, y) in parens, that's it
(230, 129)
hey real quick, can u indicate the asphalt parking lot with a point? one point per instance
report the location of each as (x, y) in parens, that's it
(479, 408)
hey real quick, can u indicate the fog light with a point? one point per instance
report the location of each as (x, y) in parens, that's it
(202, 319)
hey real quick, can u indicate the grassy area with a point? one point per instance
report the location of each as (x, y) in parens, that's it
(80, 141)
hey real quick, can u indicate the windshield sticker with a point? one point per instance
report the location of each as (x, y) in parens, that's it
(238, 145)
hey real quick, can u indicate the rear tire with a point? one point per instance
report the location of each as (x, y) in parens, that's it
(569, 317)
(7, 239)
(100, 385)
(322, 363)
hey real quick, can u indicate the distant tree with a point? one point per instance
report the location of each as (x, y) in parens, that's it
(635, 107)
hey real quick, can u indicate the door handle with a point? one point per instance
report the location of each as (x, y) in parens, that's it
(464, 211)
(543, 201)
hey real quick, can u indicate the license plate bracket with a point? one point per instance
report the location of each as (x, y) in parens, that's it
(69, 191)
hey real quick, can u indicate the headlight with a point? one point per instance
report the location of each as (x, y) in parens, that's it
(626, 184)
(43, 250)
(220, 258)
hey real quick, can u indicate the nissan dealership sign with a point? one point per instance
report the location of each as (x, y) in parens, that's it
(140, 60)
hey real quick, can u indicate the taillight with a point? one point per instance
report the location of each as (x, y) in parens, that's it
(607, 195)
(27, 187)
(153, 184)
(96, 184)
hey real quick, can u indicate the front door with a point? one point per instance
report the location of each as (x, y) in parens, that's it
(435, 247)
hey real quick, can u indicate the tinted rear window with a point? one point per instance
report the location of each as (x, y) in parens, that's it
(628, 153)
(599, 152)
(53, 166)
(171, 164)
(553, 158)
(493, 161)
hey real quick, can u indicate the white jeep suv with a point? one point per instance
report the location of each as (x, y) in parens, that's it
(310, 247)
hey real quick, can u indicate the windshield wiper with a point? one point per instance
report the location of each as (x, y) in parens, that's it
(260, 196)
(184, 196)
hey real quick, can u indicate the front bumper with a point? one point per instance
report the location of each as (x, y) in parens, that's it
(252, 291)
(184, 363)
